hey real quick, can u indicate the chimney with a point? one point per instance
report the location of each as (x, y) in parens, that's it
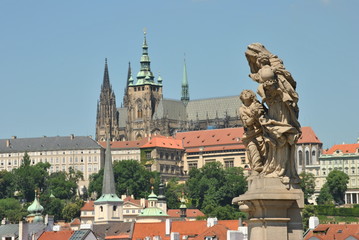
(212, 221)
(235, 235)
(313, 222)
(175, 236)
(143, 202)
(72, 136)
(49, 222)
(123, 196)
(168, 227)
(23, 234)
(13, 137)
(7, 142)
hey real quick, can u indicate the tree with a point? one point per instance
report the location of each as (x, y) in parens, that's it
(130, 177)
(6, 184)
(173, 193)
(27, 178)
(212, 185)
(307, 184)
(325, 197)
(62, 185)
(11, 209)
(337, 184)
(71, 211)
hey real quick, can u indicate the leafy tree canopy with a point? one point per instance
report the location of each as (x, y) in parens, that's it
(337, 185)
(307, 184)
(130, 177)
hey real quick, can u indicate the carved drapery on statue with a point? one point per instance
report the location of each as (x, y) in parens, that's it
(271, 127)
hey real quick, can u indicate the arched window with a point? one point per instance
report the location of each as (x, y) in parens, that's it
(300, 157)
(114, 208)
(307, 158)
(101, 208)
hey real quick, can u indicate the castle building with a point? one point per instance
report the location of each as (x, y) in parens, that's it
(80, 153)
(145, 112)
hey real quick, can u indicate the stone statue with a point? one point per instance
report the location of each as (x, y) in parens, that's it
(274, 199)
(271, 128)
(250, 113)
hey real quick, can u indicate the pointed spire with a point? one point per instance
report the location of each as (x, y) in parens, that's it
(145, 64)
(106, 78)
(185, 92)
(108, 184)
(129, 75)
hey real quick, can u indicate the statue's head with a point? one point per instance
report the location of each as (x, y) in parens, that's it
(247, 97)
(263, 59)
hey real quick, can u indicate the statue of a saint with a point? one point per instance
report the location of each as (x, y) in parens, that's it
(278, 127)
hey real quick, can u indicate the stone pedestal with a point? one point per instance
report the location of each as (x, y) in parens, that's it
(274, 209)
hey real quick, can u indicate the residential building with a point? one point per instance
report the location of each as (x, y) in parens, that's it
(217, 145)
(343, 157)
(164, 155)
(145, 112)
(333, 231)
(78, 152)
(188, 230)
(126, 150)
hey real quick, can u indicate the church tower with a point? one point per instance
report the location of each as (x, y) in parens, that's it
(185, 92)
(142, 98)
(109, 207)
(107, 114)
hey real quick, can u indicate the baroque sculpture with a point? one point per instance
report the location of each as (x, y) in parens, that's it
(271, 126)
(274, 199)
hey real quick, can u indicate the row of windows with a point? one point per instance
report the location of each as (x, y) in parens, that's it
(227, 163)
(222, 151)
(49, 153)
(51, 160)
(339, 161)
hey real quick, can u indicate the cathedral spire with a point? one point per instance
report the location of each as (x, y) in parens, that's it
(145, 64)
(106, 78)
(129, 74)
(185, 92)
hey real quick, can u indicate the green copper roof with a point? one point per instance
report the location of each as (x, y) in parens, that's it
(108, 198)
(152, 196)
(152, 211)
(35, 207)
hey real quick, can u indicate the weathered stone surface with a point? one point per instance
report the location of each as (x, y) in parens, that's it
(274, 199)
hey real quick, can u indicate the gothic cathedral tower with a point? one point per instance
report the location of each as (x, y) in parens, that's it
(107, 115)
(141, 98)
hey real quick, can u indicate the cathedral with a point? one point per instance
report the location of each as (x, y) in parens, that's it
(144, 112)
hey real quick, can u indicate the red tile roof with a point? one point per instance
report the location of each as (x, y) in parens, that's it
(164, 142)
(217, 230)
(60, 235)
(344, 148)
(184, 228)
(125, 144)
(191, 213)
(75, 222)
(334, 231)
(88, 206)
(216, 137)
(134, 201)
(308, 136)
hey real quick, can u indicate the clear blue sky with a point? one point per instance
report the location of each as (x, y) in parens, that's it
(52, 57)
